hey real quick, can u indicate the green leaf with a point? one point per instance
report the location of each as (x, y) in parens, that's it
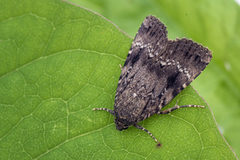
(213, 23)
(58, 61)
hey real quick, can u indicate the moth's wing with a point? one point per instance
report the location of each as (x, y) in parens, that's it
(133, 88)
(180, 64)
(176, 68)
(156, 70)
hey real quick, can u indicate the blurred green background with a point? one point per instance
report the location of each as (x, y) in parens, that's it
(215, 24)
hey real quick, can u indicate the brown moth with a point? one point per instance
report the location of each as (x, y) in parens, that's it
(156, 70)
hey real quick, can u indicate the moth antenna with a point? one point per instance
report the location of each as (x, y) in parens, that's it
(142, 128)
(105, 109)
(177, 107)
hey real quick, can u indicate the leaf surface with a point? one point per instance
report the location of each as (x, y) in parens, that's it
(58, 62)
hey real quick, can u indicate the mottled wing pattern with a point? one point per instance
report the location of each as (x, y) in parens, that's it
(155, 71)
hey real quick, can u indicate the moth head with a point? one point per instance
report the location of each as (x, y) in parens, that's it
(120, 126)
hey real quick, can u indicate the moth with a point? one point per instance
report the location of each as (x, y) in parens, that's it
(155, 71)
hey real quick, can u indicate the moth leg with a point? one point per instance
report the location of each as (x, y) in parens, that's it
(176, 107)
(105, 109)
(120, 66)
(142, 128)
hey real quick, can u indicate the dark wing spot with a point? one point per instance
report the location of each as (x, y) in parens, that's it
(171, 80)
(135, 58)
(197, 57)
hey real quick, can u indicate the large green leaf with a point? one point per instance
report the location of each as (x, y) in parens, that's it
(58, 61)
(215, 24)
